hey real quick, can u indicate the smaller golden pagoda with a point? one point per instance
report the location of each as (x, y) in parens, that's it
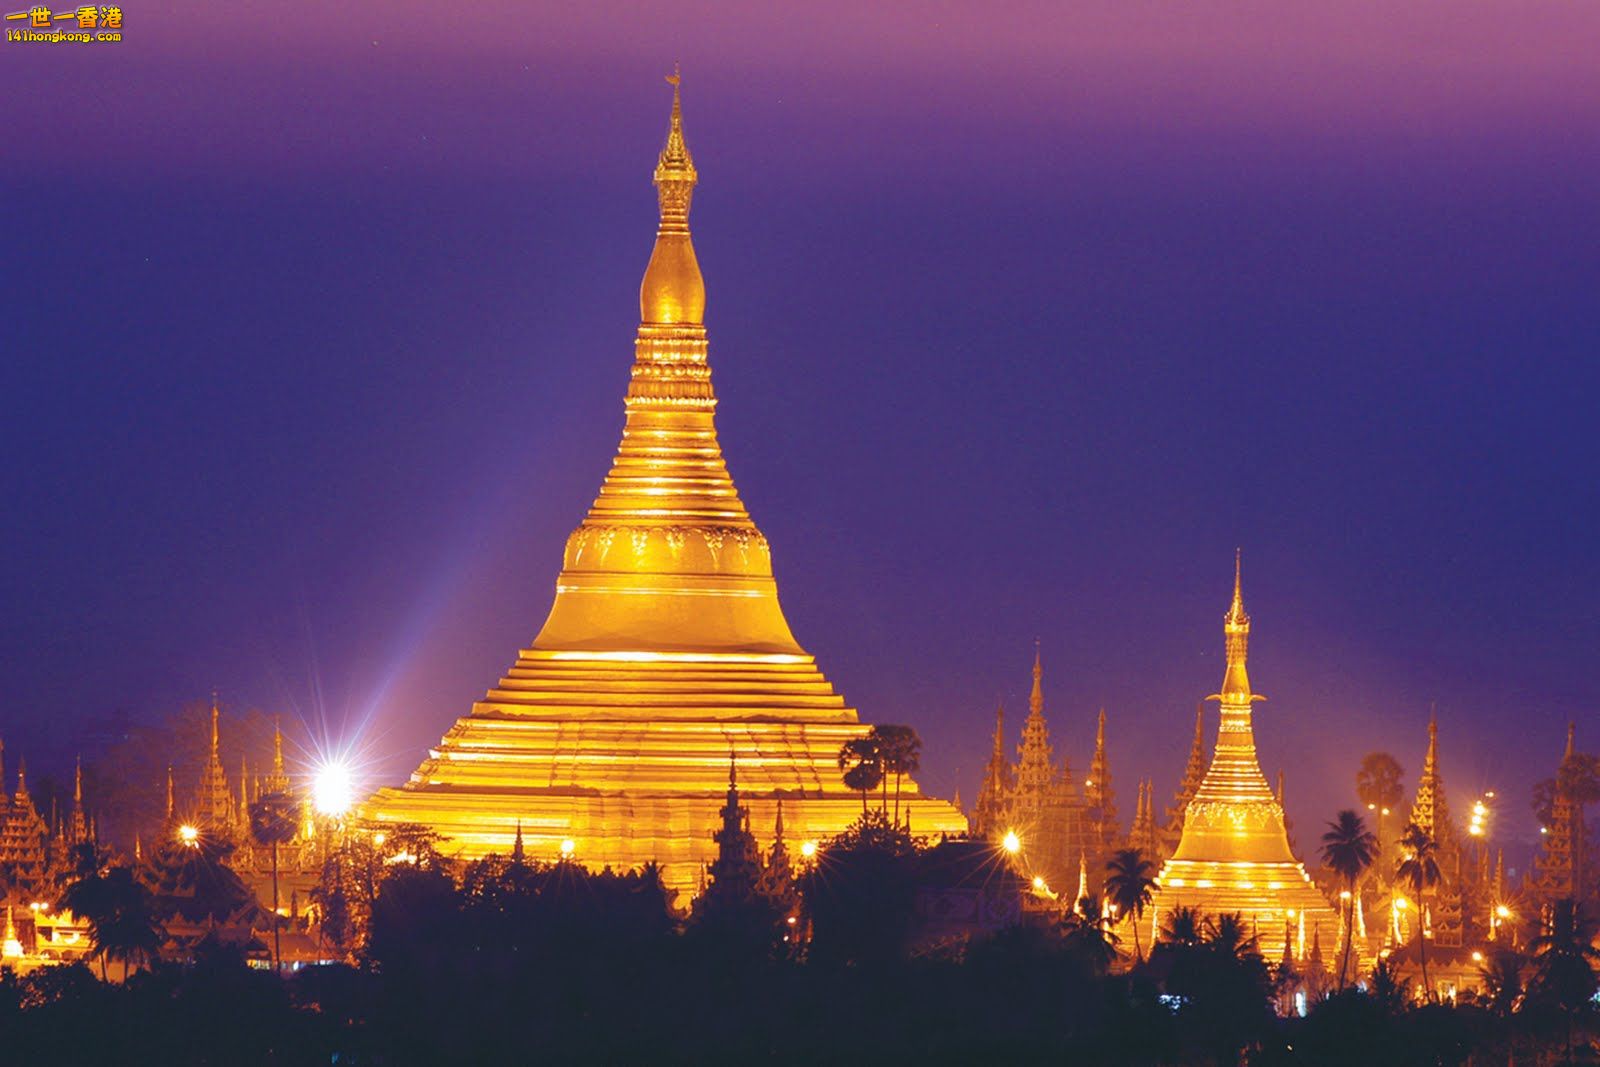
(1234, 855)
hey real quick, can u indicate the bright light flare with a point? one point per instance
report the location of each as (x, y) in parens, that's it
(1011, 842)
(808, 849)
(189, 834)
(333, 790)
(568, 847)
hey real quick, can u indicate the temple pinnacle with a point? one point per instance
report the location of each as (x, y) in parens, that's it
(673, 292)
(1036, 697)
(1236, 631)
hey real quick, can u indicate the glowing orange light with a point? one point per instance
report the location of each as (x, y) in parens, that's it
(568, 846)
(189, 834)
(1011, 842)
(333, 789)
(808, 849)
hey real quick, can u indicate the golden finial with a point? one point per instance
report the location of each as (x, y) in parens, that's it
(277, 747)
(1236, 609)
(673, 293)
(77, 782)
(215, 713)
(1236, 638)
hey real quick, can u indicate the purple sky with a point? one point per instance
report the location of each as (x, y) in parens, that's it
(319, 325)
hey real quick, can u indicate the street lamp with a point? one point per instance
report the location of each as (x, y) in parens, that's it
(333, 790)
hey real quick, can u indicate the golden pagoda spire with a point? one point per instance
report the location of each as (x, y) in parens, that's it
(77, 782)
(277, 748)
(215, 714)
(1236, 628)
(169, 792)
(673, 292)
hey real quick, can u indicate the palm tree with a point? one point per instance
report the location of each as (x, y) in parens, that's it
(1379, 786)
(1130, 877)
(1564, 961)
(1349, 848)
(1088, 934)
(120, 912)
(1419, 868)
(1502, 980)
(862, 763)
(1183, 927)
(900, 751)
(273, 822)
(1226, 935)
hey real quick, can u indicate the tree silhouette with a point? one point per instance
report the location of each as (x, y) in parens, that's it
(1564, 960)
(1183, 927)
(1348, 848)
(861, 760)
(900, 753)
(1380, 786)
(273, 822)
(1419, 869)
(858, 893)
(1088, 934)
(120, 912)
(1130, 878)
(1502, 974)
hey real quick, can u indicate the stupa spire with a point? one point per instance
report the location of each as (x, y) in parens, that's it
(994, 795)
(673, 292)
(1236, 630)
(1036, 695)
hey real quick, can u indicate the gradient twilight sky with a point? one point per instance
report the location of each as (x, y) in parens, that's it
(1022, 318)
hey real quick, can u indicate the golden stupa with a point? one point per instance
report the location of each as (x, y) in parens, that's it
(1234, 855)
(665, 652)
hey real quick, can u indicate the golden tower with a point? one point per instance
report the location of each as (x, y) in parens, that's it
(665, 650)
(1234, 854)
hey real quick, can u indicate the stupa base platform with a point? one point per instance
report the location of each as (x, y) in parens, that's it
(1272, 898)
(628, 830)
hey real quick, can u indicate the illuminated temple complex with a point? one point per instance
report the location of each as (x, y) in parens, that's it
(665, 652)
(1234, 853)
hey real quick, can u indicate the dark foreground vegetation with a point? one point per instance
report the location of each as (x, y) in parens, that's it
(504, 961)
